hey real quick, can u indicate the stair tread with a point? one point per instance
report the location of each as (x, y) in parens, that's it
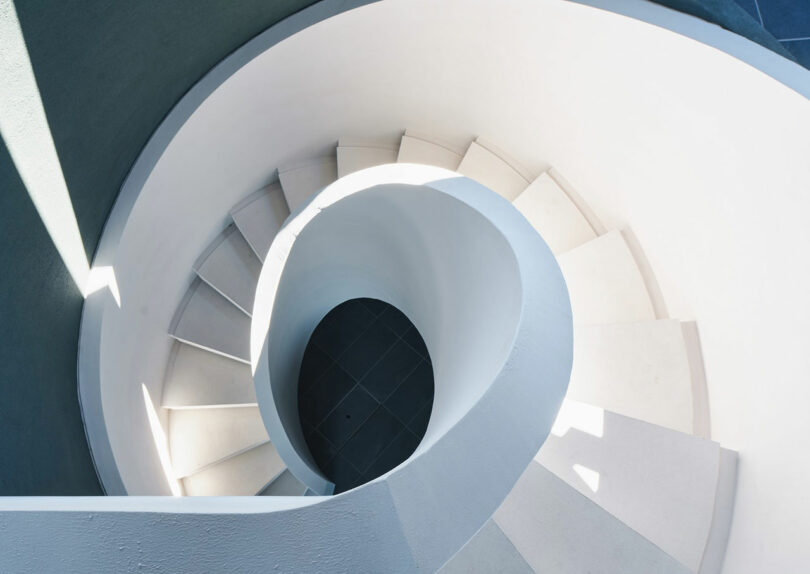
(640, 370)
(351, 159)
(199, 438)
(659, 482)
(488, 168)
(604, 282)
(285, 484)
(416, 148)
(578, 535)
(232, 268)
(553, 215)
(199, 378)
(300, 182)
(260, 217)
(210, 321)
(241, 475)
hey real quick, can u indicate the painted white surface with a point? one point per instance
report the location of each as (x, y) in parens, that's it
(495, 171)
(232, 268)
(260, 216)
(604, 282)
(640, 370)
(213, 323)
(285, 484)
(242, 475)
(301, 181)
(354, 155)
(201, 437)
(659, 482)
(199, 378)
(426, 150)
(487, 552)
(720, 215)
(552, 213)
(382, 233)
(577, 534)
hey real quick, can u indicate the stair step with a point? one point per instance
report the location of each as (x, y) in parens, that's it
(486, 552)
(557, 529)
(418, 148)
(301, 181)
(259, 217)
(639, 370)
(198, 378)
(200, 438)
(354, 155)
(242, 475)
(209, 321)
(604, 282)
(285, 484)
(553, 215)
(659, 482)
(231, 267)
(489, 166)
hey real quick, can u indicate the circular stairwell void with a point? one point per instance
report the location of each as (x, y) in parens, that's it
(365, 391)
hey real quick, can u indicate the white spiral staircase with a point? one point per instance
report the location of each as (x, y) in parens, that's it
(627, 482)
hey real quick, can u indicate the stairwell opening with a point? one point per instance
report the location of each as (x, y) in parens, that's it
(365, 391)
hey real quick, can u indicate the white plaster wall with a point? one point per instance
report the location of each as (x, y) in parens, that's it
(705, 157)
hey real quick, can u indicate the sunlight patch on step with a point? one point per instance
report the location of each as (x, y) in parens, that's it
(580, 416)
(161, 443)
(589, 476)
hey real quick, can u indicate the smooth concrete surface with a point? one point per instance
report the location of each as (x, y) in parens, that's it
(285, 484)
(198, 378)
(507, 387)
(419, 148)
(259, 217)
(659, 482)
(639, 370)
(300, 182)
(493, 170)
(486, 552)
(355, 154)
(605, 283)
(553, 215)
(232, 268)
(211, 322)
(199, 438)
(676, 160)
(245, 474)
(578, 535)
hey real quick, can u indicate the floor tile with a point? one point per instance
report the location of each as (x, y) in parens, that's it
(316, 364)
(396, 320)
(343, 474)
(786, 18)
(390, 371)
(374, 305)
(330, 390)
(419, 423)
(800, 49)
(414, 339)
(321, 449)
(367, 350)
(397, 451)
(341, 327)
(415, 392)
(347, 417)
(371, 439)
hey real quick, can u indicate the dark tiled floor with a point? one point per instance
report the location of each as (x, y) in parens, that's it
(787, 20)
(365, 391)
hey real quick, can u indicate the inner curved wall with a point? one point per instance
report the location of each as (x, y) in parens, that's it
(437, 260)
(714, 192)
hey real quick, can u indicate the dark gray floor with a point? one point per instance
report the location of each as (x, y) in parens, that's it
(787, 20)
(365, 391)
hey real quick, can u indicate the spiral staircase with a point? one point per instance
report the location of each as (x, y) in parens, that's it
(628, 457)
(571, 428)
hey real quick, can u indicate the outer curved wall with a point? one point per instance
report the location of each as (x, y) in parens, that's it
(704, 156)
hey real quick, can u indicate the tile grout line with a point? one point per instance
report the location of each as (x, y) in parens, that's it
(795, 39)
